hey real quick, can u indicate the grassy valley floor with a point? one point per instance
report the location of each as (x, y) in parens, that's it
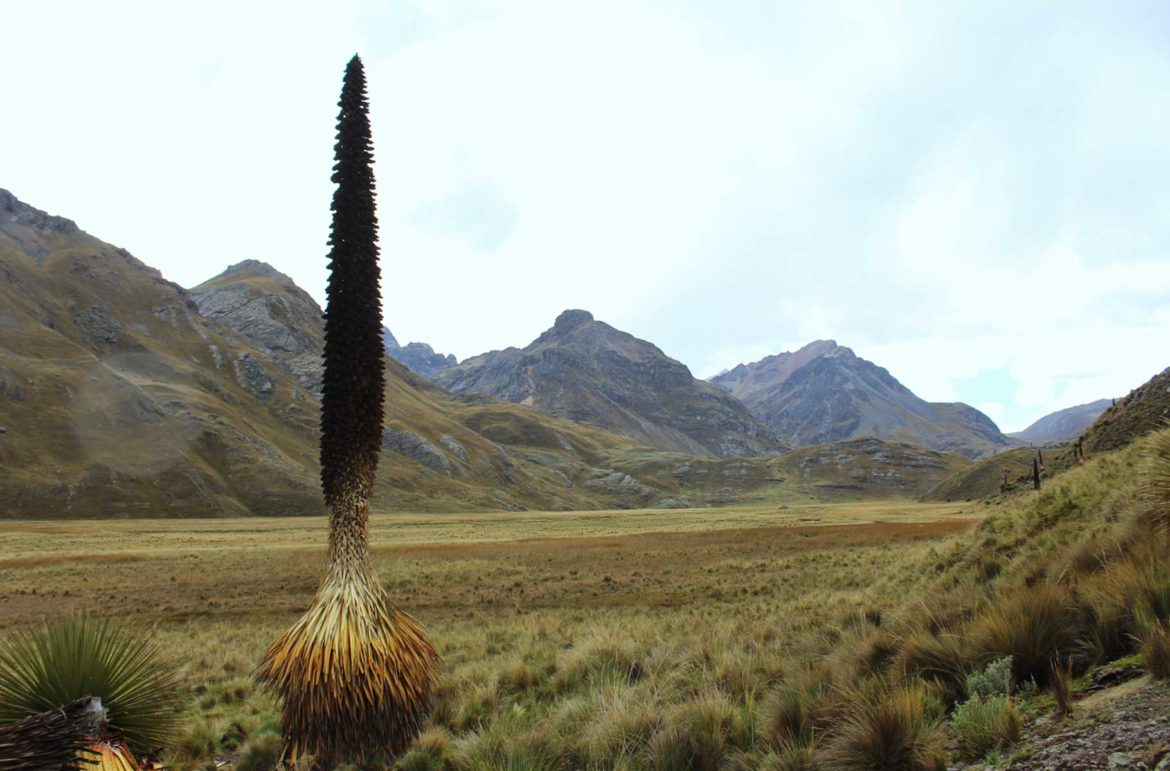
(583, 640)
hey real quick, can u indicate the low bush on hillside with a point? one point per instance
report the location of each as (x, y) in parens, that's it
(985, 723)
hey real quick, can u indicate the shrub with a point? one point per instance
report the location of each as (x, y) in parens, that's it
(889, 729)
(994, 680)
(1034, 626)
(82, 657)
(1156, 649)
(983, 724)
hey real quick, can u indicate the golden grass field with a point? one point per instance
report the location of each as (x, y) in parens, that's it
(585, 630)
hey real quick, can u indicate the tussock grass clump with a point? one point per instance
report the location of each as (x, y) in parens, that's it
(80, 657)
(1035, 626)
(791, 713)
(430, 752)
(696, 735)
(792, 756)
(259, 753)
(1155, 490)
(617, 723)
(602, 657)
(983, 724)
(940, 659)
(887, 728)
(877, 651)
(1061, 685)
(1156, 649)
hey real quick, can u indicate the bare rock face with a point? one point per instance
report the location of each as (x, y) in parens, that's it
(96, 326)
(253, 378)
(586, 370)
(272, 313)
(29, 229)
(416, 448)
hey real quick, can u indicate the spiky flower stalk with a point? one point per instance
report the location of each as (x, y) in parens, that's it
(355, 673)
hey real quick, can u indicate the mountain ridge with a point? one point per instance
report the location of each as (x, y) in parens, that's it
(823, 392)
(1062, 425)
(586, 370)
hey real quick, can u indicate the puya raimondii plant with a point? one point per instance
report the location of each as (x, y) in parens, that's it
(355, 674)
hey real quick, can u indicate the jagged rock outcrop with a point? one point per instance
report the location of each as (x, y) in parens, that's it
(274, 314)
(586, 370)
(417, 357)
(825, 393)
(416, 448)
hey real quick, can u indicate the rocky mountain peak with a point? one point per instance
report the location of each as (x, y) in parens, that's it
(12, 209)
(823, 392)
(588, 371)
(252, 269)
(570, 320)
(419, 358)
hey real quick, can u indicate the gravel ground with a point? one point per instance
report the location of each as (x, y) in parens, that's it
(1123, 727)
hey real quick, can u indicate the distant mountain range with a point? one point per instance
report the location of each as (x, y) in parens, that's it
(123, 394)
(1062, 425)
(586, 370)
(825, 393)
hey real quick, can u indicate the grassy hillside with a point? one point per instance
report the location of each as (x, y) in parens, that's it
(1143, 410)
(1009, 471)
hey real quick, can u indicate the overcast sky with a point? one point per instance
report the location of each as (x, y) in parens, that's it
(975, 196)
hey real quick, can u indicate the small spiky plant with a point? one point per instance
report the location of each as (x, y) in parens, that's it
(60, 738)
(355, 673)
(82, 657)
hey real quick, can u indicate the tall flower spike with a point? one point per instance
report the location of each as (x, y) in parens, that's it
(355, 674)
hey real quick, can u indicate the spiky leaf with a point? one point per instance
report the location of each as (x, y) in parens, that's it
(355, 674)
